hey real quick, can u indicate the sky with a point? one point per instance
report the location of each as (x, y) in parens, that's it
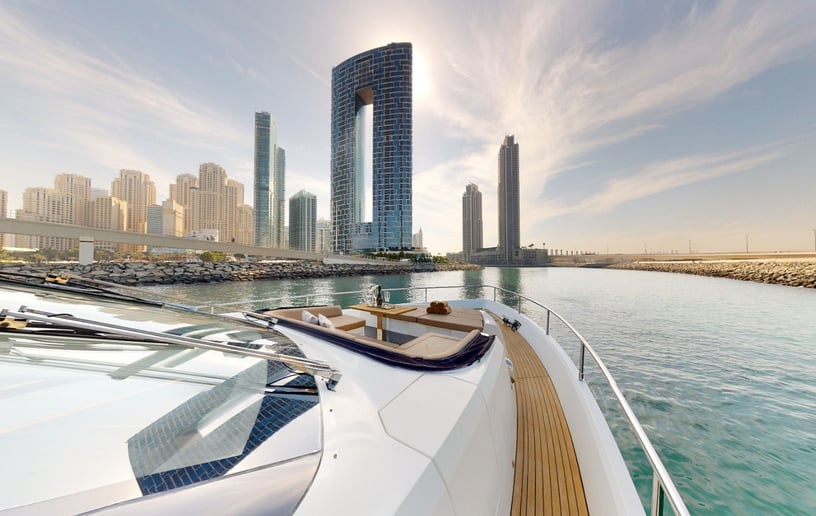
(642, 125)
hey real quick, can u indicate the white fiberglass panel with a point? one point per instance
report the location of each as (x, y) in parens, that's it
(446, 419)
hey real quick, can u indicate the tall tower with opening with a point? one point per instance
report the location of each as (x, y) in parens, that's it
(380, 77)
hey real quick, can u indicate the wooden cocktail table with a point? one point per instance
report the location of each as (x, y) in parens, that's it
(381, 312)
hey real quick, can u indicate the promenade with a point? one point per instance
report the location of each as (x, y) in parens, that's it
(792, 272)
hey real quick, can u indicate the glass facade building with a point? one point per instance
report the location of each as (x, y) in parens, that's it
(279, 200)
(509, 224)
(303, 221)
(266, 145)
(382, 78)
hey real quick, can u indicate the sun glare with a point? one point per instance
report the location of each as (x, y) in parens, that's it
(420, 79)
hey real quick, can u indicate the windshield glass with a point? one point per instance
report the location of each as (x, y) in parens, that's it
(141, 417)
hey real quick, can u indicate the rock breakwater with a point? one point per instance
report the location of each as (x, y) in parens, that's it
(792, 273)
(168, 273)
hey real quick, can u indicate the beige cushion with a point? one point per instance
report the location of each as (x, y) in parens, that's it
(334, 313)
(347, 322)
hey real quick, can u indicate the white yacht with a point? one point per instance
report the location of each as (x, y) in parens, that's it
(112, 403)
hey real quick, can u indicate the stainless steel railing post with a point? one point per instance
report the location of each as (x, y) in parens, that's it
(581, 371)
(657, 495)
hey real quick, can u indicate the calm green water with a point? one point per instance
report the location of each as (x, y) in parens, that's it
(721, 373)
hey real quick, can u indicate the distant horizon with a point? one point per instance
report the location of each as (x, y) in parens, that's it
(639, 126)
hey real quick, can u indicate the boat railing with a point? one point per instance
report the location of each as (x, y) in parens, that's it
(663, 487)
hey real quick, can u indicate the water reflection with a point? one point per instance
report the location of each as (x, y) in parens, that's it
(509, 279)
(472, 281)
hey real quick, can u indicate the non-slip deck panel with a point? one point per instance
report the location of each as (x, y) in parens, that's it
(547, 477)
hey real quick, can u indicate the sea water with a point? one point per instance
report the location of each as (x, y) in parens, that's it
(721, 373)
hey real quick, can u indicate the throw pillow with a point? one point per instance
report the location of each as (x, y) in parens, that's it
(324, 321)
(309, 317)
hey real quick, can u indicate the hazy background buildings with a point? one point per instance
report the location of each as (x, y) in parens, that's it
(472, 230)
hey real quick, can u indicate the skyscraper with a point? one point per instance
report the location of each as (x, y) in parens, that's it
(216, 204)
(135, 188)
(472, 229)
(138, 191)
(108, 212)
(323, 244)
(303, 221)
(279, 200)
(266, 145)
(154, 219)
(416, 240)
(172, 218)
(78, 192)
(3, 214)
(182, 192)
(212, 192)
(47, 205)
(380, 77)
(509, 225)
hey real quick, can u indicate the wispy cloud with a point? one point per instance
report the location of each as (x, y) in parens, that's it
(112, 153)
(566, 88)
(107, 93)
(558, 92)
(663, 176)
(309, 70)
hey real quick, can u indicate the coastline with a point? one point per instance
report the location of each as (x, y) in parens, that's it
(790, 272)
(786, 272)
(170, 273)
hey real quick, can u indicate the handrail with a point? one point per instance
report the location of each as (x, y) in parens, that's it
(312, 367)
(306, 297)
(662, 484)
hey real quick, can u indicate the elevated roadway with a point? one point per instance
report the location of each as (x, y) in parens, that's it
(24, 227)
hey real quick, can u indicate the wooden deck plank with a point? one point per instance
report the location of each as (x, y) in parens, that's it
(547, 476)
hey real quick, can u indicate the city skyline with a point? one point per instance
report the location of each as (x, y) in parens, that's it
(645, 126)
(210, 204)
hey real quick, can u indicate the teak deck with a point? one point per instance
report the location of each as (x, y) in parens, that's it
(547, 478)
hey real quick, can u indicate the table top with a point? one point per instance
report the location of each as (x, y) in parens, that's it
(394, 310)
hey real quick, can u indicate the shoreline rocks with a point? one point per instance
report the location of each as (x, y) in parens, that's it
(169, 273)
(791, 273)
